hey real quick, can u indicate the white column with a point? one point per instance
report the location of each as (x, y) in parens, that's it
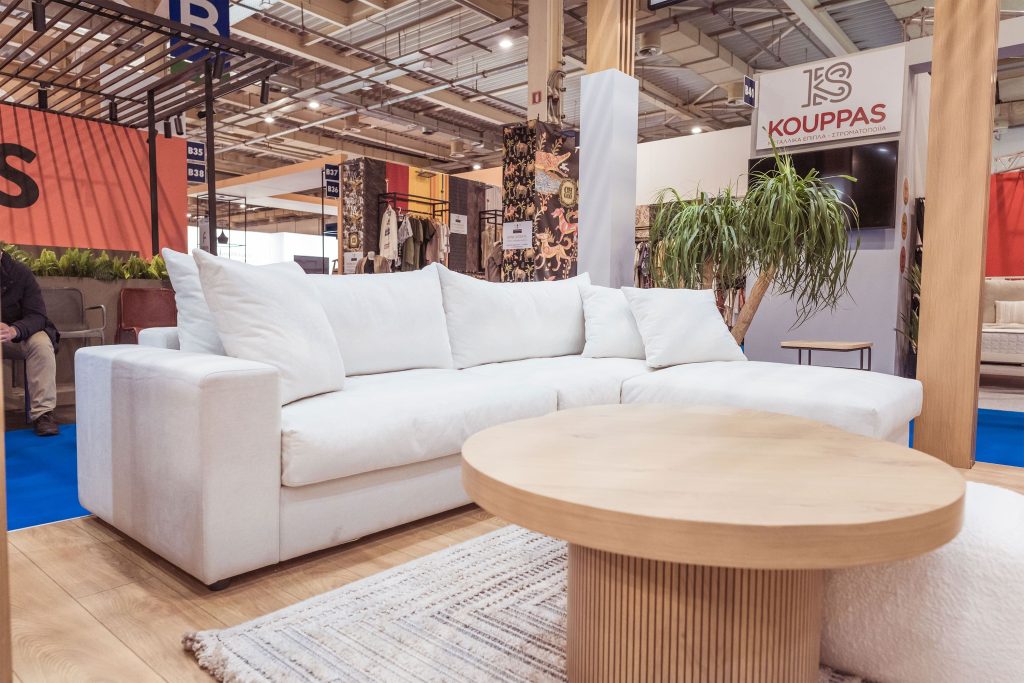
(608, 140)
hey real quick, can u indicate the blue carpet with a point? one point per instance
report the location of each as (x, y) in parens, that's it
(1000, 437)
(42, 480)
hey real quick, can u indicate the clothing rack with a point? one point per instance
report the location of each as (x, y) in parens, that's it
(435, 208)
(490, 217)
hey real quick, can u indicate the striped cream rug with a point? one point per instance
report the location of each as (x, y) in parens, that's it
(488, 610)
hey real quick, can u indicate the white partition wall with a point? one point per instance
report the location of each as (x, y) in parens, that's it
(608, 170)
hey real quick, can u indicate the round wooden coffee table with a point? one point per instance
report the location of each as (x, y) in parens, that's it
(698, 536)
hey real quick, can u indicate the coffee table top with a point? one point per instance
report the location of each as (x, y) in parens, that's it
(714, 486)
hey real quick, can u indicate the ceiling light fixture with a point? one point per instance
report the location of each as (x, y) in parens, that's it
(696, 129)
(313, 104)
(265, 91)
(505, 43)
(38, 16)
(477, 167)
(268, 119)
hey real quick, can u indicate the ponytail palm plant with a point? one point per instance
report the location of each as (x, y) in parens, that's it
(789, 232)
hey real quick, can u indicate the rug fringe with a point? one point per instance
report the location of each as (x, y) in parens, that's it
(210, 655)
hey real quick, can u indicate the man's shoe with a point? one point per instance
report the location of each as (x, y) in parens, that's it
(46, 425)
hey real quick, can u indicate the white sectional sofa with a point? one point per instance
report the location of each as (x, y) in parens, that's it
(198, 457)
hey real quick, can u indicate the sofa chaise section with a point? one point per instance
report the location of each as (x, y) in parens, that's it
(868, 403)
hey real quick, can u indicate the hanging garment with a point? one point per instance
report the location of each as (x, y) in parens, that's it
(428, 235)
(372, 263)
(439, 244)
(389, 234)
(495, 258)
(404, 230)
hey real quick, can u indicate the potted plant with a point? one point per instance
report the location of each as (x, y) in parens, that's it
(790, 232)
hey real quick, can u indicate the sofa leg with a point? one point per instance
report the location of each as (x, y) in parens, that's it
(219, 585)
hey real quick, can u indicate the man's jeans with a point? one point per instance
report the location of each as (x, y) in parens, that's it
(41, 365)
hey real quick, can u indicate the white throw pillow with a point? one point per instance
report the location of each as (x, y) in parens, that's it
(681, 326)
(1010, 312)
(490, 322)
(196, 331)
(610, 326)
(274, 316)
(387, 322)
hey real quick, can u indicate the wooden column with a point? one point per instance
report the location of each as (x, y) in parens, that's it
(611, 30)
(545, 54)
(959, 166)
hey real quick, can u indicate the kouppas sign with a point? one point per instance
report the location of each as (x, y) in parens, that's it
(837, 99)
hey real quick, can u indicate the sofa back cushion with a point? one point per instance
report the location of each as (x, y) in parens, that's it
(491, 322)
(387, 322)
(611, 327)
(274, 316)
(681, 326)
(196, 331)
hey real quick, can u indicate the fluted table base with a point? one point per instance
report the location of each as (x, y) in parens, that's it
(640, 620)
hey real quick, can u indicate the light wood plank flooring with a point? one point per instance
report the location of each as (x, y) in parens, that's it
(90, 605)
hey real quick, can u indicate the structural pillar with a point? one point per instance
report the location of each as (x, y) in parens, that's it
(544, 57)
(608, 138)
(953, 268)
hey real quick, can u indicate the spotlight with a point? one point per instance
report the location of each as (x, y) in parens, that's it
(113, 110)
(313, 104)
(268, 119)
(218, 66)
(44, 99)
(265, 91)
(167, 128)
(179, 125)
(505, 43)
(38, 16)
(477, 167)
(696, 129)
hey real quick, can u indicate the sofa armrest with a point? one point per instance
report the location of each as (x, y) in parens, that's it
(159, 337)
(182, 452)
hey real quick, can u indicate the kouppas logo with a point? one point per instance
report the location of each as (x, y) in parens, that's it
(828, 84)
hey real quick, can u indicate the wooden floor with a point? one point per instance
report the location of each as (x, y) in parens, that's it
(90, 605)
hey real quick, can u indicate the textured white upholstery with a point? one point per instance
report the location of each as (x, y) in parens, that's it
(579, 381)
(181, 451)
(387, 322)
(333, 512)
(159, 337)
(951, 616)
(868, 403)
(397, 418)
(490, 322)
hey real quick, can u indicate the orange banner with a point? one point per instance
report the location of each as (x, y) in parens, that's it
(67, 182)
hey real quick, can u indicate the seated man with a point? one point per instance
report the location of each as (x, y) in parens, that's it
(25, 326)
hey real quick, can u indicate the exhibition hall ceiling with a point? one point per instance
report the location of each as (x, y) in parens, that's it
(430, 82)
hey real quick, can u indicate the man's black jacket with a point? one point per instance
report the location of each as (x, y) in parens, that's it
(21, 301)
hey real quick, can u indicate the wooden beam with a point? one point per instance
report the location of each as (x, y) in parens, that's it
(959, 165)
(611, 31)
(545, 54)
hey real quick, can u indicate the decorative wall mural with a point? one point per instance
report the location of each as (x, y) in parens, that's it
(540, 184)
(353, 173)
(518, 195)
(557, 198)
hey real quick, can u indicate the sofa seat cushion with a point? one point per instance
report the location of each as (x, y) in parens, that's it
(868, 403)
(579, 381)
(397, 418)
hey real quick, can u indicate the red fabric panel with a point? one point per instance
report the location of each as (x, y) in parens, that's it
(1005, 252)
(398, 181)
(92, 181)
